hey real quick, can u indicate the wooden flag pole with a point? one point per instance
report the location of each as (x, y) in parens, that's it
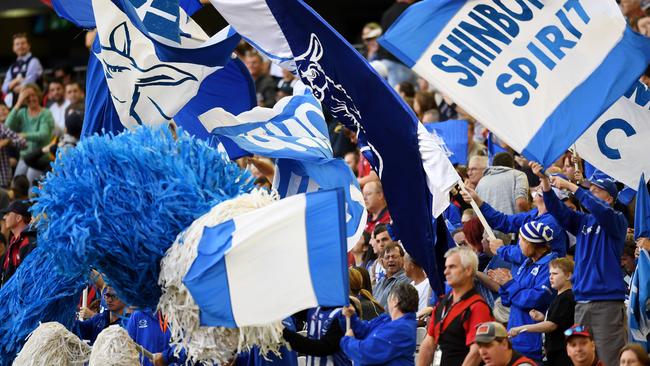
(478, 212)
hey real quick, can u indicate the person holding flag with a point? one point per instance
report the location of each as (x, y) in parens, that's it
(638, 317)
(600, 235)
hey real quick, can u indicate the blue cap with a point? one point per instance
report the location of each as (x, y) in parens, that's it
(536, 232)
(642, 212)
(606, 184)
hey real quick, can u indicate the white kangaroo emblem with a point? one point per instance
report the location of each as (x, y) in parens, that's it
(121, 69)
(331, 94)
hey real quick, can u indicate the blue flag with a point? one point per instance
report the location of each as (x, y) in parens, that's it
(291, 34)
(454, 133)
(536, 73)
(294, 134)
(642, 211)
(638, 316)
(298, 241)
(493, 148)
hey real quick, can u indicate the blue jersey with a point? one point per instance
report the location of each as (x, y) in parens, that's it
(530, 288)
(90, 329)
(600, 237)
(319, 321)
(151, 331)
(254, 358)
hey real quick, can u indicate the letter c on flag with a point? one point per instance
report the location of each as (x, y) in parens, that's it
(605, 129)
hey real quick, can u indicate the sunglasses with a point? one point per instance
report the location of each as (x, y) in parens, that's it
(577, 329)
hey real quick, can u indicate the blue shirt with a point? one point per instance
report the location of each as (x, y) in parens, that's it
(381, 341)
(319, 321)
(600, 237)
(90, 329)
(529, 289)
(153, 334)
(254, 358)
(512, 224)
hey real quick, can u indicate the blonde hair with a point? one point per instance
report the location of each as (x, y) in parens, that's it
(565, 264)
(356, 287)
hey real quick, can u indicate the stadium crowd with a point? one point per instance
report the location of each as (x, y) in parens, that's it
(550, 286)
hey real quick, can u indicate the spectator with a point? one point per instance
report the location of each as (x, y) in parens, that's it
(422, 102)
(644, 26)
(116, 313)
(530, 287)
(8, 140)
(26, 70)
(453, 324)
(151, 331)
(19, 189)
(405, 90)
(628, 261)
(33, 123)
(388, 339)
(370, 308)
(419, 280)
(397, 72)
(64, 72)
(632, 11)
(474, 145)
(380, 237)
(352, 159)
(598, 281)
(74, 94)
(581, 348)
(633, 355)
(496, 349)
(503, 187)
(323, 336)
(22, 240)
(285, 85)
(57, 104)
(369, 35)
(559, 316)
(393, 260)
(431, 116)
(264, 83)
(512, 224)
(475, 169)
(373, 197)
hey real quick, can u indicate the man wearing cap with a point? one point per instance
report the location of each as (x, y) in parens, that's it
(530, 288)
(512, 223)
(21, 240)
(495, 347)
(581, 348)
(455, 318)
(598, 283)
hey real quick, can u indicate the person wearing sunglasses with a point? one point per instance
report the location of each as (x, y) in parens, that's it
(580, 346)
(116, 312)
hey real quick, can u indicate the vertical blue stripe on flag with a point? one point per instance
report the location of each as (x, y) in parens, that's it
(209, 271)
(327, 267)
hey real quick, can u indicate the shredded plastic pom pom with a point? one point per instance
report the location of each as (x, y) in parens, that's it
(52, 344)
(116, 204)
(114, 347)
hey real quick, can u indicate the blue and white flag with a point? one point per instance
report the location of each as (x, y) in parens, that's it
(291, 255)
(617, 142)
(537, 74)
(149, 77)
(294, 133)
(638, 314)
(292, 35)
(642, 211)
(493, 148)
(454, 134)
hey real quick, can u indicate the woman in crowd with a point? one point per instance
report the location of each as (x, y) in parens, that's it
(633, 355)
(370, 308)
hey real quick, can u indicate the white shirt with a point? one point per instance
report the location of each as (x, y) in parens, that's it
(58, 112)
(424, 291)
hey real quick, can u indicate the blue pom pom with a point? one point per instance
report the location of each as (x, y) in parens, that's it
(35, 293)
(116, 204)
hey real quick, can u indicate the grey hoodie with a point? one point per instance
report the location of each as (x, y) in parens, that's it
(501, 186)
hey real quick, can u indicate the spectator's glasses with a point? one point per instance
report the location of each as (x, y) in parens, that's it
(576, 330)
(109, 296)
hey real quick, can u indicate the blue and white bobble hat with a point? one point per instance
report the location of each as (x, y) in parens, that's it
(536, 232)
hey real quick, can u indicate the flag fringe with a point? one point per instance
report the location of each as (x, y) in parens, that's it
(209, 344)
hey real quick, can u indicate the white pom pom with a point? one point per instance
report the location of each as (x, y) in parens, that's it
(209, 344)
(114, 347)
(52, 344)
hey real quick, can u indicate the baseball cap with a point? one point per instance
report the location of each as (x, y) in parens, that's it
(20, 207)
(607, 185)
(578, 330)
(487, 332)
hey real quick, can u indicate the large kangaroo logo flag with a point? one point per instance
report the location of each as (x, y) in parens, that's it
(535, 73)
(617, 142)
(294, 36)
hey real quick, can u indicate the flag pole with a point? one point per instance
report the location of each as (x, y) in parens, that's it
(84, 301)
(576, 165)
(478, 212)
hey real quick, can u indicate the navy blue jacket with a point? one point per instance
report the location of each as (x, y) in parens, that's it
(144, 327)
(512, 224)
(90, 329)
(381, 341)
(530, 288)
(600, 236)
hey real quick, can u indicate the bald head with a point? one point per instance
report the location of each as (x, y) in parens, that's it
(373, 196)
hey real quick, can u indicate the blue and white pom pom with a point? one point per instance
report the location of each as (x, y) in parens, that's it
(116, 204)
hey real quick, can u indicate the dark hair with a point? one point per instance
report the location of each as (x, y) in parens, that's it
(629, 248)
(66, 68)
(368, 255)
(254, 53)
(503, 159)
(20, 35)
(638, 350)
(55, 81)
(379, 228)
(20, 186)
(406, 296)
(392, 245)
(408, 89)
(75, 83)
(74, 122)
